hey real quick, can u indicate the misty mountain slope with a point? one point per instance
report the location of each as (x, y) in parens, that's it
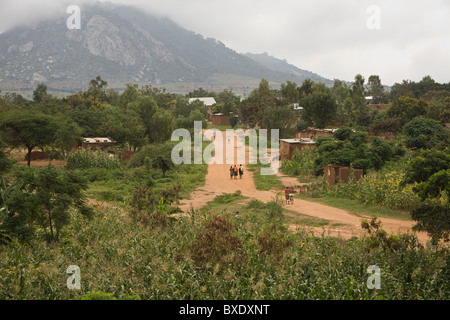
(122, 45)
(282, 66)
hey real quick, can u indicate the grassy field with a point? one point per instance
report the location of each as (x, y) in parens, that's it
(356, 207)
(214, 254)
(264, 182)
(234, 248)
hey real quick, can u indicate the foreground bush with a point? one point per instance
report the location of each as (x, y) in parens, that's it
(119, 259)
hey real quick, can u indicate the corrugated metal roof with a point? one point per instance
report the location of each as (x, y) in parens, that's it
(301, 141)
(98, 140)
(208, 101)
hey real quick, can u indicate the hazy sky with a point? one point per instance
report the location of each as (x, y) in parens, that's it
(395, 39)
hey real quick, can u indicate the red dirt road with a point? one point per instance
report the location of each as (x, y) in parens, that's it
(218, 182)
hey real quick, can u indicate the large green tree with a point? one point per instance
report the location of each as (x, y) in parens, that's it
(28, 129)
(376, 89)
(260, 99)
(425, 133)
(42, 198)
(430, 170)
(319, 107)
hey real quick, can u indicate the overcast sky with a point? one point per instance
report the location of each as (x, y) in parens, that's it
(395, 39)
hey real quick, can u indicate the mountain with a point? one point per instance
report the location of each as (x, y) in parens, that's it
(125, 45)
(284, 67)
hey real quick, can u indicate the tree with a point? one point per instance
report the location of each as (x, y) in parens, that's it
(160, 127)
(158, 156)
(162, 158)
(5, 163)
(342, 94)
(97, 88)
(289, 93)
(67, 136)
(425, 133)
(18, 211)
(358, 91)
(42, 198)
(40, 93)
(407, 108)
(280, 118)
(376, 89)
(426, 164)
(306, 88)
(343, 133)
(260, 99)
(430, 170)
(28, 129)
(319, 108)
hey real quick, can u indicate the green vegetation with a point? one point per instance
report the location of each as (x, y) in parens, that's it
(359, 208)
(138, 245)
(219, 256)
(264, 182)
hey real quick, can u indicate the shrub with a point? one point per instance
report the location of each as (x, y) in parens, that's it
(425, 133)
(385, 190)
(301, 163)
(217, 244)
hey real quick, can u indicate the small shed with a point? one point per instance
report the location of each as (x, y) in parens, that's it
(97, 143)
(207, 101)
(334, 174)
(288, 146)
(220, 119)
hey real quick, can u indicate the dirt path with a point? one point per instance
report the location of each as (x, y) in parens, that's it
(341, 223)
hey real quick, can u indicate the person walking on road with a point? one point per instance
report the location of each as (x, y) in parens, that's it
(286, 194)
(235, 170)
(241, 171)
(231, 172)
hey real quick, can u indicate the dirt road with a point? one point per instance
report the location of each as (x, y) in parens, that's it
(341, 223)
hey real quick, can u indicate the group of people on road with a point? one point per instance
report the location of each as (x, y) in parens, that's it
(234, 171)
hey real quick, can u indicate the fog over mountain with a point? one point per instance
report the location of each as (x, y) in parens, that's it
(124, 45)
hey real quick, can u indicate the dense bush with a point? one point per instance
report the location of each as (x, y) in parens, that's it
(383, 189)
(425, 133)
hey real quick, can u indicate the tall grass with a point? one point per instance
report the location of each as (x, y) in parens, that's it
(91, 159)
(259, 260)
(301, 163)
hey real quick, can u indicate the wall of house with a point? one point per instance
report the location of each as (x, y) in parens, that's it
(220, 120)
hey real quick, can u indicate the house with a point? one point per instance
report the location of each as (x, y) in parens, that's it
(97, 143)
(288, 146)
(379, 106)
(220, 119)
(369, 99)
(208, 102)
(314, 133)
(296, 107)
(334, 174)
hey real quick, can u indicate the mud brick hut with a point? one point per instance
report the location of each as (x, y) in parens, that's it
(334, 174)
(97, 143)
(288, 146)
(314, 133)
